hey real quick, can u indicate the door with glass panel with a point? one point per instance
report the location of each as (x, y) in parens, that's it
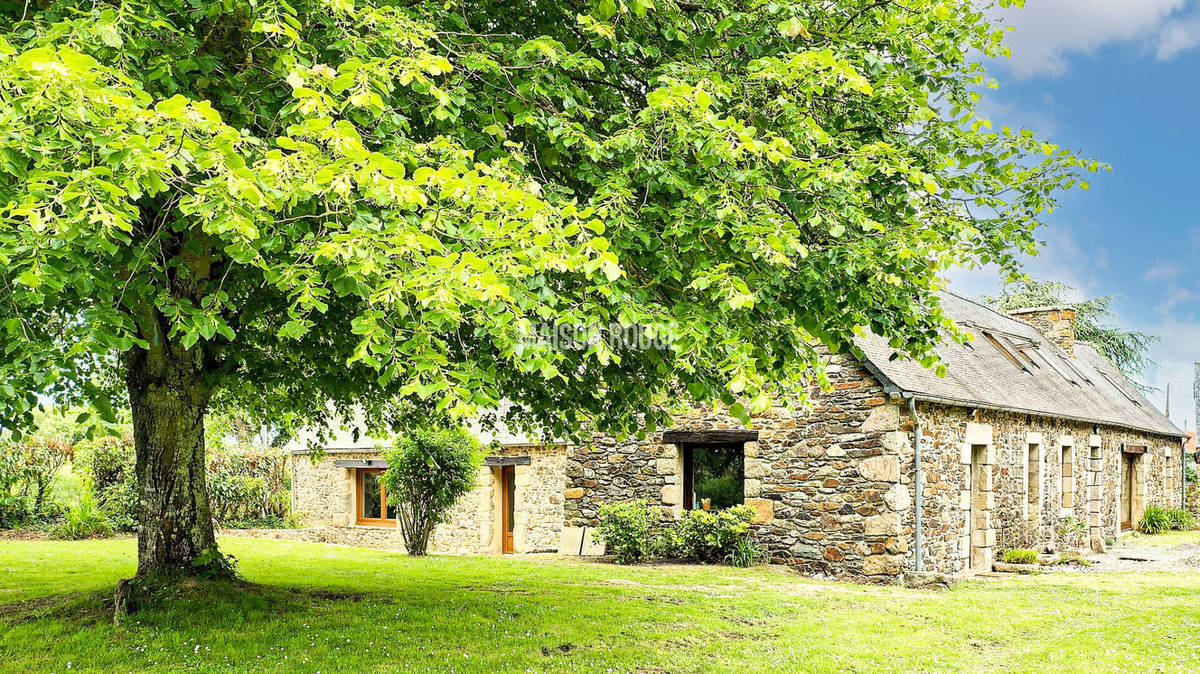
(371, 507)
(508, 491)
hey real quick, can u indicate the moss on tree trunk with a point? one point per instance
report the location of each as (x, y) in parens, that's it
(168, 399)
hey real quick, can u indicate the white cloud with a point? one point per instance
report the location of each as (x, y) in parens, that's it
(1175, 356)
(1045, 32)
(1163, 270)
(1039, 115)
(1174, 297)
(1178, 38)
(1059, 260)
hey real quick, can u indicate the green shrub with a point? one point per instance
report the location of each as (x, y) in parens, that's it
(1154, 520)
(248, 487)
(12, 504)
(12, 509)
(428, 471)
(720, 491)
(746, 553)
(83, 519)
(27, 469)
(108, 467)
(1180, 519)
(708, 535)
(1019, 556)
(625, 528)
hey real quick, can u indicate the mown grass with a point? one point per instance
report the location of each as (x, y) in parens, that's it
(311, 607)
(1166, 539)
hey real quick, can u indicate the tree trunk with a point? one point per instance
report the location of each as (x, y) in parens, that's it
(168, 398)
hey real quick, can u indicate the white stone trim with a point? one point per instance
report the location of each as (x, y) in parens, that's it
(1037, 492)
(979, 434)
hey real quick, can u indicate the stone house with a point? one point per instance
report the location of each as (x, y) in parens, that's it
(516, 505)
(1031, 439)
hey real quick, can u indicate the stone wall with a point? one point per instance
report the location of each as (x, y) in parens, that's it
(323, 494)
(1015, 520)
(824, 482)
(1057, 323)
(833, 486)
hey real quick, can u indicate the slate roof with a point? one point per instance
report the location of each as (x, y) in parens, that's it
(1049, 382)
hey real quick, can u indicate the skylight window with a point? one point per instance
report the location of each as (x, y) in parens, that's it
(1007, 353)
(1054, 366)
(1122, 390)
(1077, 371)
(1021, 348)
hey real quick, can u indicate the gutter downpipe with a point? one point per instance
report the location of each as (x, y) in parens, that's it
(918, 481)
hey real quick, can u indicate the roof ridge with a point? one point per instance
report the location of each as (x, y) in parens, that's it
(1001, 314)
(980, 378)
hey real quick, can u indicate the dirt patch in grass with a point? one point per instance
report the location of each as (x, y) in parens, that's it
(329, 595)
(23, 535)
(84, 608)
(561, 649)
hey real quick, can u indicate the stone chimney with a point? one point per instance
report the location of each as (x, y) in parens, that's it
(1057, 323)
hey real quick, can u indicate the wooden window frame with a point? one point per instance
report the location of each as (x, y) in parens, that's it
(1067, 483)
(1004, 350)
(1033, 480)
(358, 500)
(688, 480)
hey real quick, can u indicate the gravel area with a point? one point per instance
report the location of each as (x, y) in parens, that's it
(1135, 556)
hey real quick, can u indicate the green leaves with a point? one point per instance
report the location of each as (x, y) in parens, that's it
(400, 209)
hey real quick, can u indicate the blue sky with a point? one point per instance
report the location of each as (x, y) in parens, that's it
(1117, 80)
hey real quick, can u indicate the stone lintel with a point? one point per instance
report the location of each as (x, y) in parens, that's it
(507, 461)
(360, 463)
(979, 434)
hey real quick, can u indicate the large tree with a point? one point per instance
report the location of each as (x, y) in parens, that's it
(302, 207)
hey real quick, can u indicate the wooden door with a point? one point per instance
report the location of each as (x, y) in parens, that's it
(508, 489)
(1126, 492)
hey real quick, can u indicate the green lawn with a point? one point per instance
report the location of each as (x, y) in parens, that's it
(324, 608)
(1167, 539)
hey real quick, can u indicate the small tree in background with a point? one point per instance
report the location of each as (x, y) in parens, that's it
(428, 471)
(1128, 350)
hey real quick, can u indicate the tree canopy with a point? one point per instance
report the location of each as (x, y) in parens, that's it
(301, 208)
(375, 203)
(1127, 350)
